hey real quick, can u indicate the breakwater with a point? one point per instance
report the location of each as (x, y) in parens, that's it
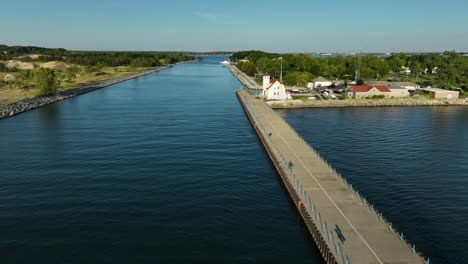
(344, 225)
(244, 78)
(367, 103)
(36, 102)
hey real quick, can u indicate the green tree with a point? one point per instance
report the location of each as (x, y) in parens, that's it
(396, 61)
(263, 64)
(70, 73)
(297, 78)
(3, 68)
(415, 68)
(45, 81)
(453, 70)
(249, 68)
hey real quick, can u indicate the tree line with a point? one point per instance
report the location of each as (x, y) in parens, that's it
(444, 70)
(92, 58)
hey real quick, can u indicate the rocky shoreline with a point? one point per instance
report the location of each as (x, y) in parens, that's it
(36, 102)
(289, 104)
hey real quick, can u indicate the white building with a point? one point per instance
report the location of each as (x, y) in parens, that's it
(407, 85)
(319, 82)
(405, 70)
(398, 91)
(273, 89)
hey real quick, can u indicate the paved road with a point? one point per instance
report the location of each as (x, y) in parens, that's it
(353, 230)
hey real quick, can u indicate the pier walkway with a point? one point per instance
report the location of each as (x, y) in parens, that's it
(244, 78)
(345, 227)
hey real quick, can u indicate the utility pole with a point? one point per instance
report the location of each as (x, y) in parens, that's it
(358, 69)
(281, 73)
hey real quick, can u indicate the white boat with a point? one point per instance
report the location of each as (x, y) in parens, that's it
(225, 62)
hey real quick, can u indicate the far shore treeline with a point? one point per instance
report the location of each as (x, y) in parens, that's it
(93, 58)
(445, 70)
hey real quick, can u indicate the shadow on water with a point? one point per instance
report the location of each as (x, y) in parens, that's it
(292, 207)
(48, 115)
(50, 127)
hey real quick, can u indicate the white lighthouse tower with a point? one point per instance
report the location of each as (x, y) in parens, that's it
(266, 84)
(266, 81)
(273, 90)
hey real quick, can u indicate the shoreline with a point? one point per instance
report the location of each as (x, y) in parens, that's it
(29, 104)
(396, 102)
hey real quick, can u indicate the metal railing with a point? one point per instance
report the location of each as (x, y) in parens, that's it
(306, 205)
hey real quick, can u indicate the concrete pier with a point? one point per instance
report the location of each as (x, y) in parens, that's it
(244, 78)
(345, 227)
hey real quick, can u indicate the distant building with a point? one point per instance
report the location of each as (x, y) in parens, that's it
(398, 91)
(363, 91)
(430, 72)
(273, 89)
(407, 85)
(405, 70)
(319, 82)
(438, 93)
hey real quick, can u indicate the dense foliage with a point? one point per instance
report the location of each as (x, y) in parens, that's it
(92, 58)
(442, 70)
(45, 80)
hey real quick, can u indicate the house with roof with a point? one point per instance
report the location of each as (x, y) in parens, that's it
(399, 91)
(319, 82)
(364, 91)
(407, 85)
(438, 93)
(273, 89)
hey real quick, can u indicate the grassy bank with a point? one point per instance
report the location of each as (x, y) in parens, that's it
(27, 72)
(19, 86)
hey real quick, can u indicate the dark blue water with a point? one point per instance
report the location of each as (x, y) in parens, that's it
(167, 169)
(411, 163)
(161, 169)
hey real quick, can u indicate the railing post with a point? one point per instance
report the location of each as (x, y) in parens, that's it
(338, 250)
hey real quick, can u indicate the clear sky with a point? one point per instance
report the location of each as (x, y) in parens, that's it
(231, 25)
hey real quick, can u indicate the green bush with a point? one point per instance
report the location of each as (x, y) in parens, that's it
(45, 81)
(380, 96)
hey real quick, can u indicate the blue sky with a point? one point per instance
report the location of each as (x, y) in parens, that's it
(219, 25)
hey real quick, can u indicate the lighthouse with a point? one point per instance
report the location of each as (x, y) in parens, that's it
(266, 81)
